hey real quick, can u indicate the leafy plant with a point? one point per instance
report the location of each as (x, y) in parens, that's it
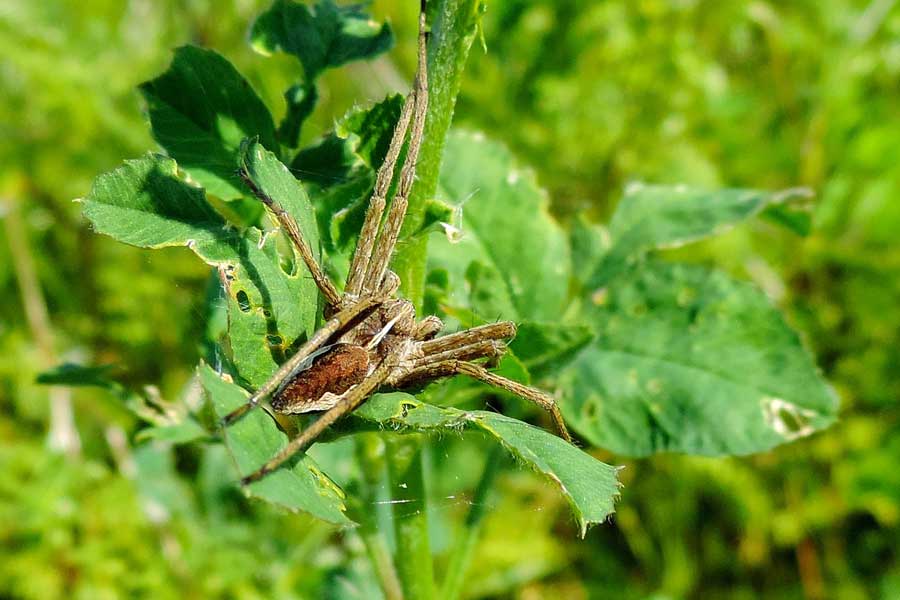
(648, 355)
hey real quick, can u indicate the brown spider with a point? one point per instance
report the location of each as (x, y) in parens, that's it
(372, 338)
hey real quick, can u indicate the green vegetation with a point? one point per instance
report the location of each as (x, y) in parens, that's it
(678, 316)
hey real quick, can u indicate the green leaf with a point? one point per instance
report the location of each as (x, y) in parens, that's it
(186, 431)
(521, 254)
(268, 308)
(654, 216)
(438, 216)
(200, 110)
(370, 130)
(274, 179)
(589, 243)
(329, 162)
(79, 375)
(688, 360)
(546, 347)
(301, 100)
(489, 297)
(339, 171)
(284, 306)
(253, 352)
(589, 485)
(170, 422)
(146, 204)
(254, 439)
(322, 37)
(797, 220)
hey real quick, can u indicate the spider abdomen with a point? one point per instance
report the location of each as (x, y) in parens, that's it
(317, 387)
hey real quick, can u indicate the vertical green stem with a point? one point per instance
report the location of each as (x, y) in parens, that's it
(453, 27)
(413, 557)
(464, 548)
(371, 462)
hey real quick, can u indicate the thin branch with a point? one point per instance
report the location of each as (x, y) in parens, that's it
(62, 435)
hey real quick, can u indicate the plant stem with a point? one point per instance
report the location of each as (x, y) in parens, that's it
(464, 548)
(371, 461)
(62, 435)
(382, 562)
(452, 31)
(413, 556)
(453, 28)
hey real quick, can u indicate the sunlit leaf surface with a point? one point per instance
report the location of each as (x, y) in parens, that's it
(321, 36)
(514, 256)
(654, 216)
(689, 360)
(145, 203)
(254, 439)
(590, 486)
(200, 110)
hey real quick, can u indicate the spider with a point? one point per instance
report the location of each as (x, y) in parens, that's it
(372, 339)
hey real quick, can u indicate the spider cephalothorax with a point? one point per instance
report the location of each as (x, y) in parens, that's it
(372, 339)
(390, 329)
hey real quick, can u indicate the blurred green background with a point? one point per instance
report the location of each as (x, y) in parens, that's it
(592, 95)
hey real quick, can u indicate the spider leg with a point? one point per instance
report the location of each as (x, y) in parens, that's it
(502, 330)
(369, 231)
(289, 225)
(347, 403)
(490, 349)
(384, 246)
(336, 323)
(427, 328)
(446, 368)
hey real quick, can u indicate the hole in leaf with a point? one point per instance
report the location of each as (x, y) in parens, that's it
(243, 301)
(405, 407)
(793, 422)
(274, 340)
(787, 419)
